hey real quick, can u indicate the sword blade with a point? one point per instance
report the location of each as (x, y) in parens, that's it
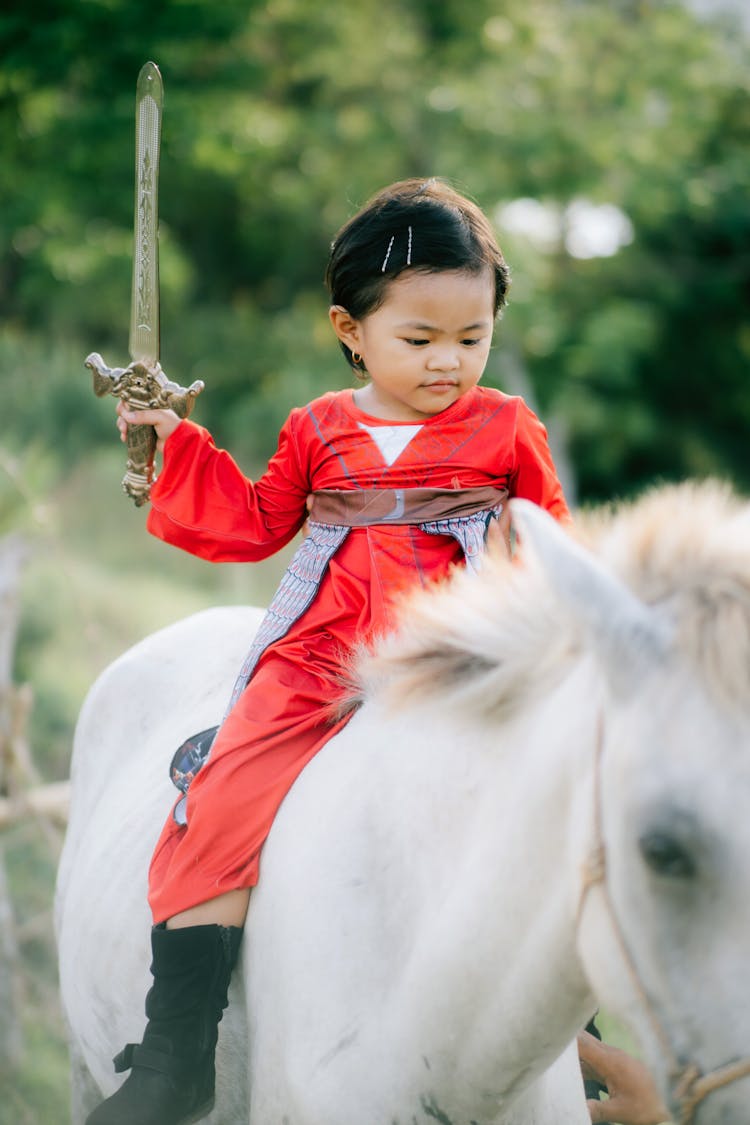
(144, 306)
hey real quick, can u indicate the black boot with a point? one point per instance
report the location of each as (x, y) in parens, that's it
(172, 1076)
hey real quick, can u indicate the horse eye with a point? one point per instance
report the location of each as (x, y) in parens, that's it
(666, 856)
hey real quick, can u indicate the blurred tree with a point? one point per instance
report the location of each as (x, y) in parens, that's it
(281, 117)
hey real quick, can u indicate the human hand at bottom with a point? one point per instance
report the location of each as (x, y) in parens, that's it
(633, 1096)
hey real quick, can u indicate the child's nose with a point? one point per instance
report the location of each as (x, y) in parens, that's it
(443, 359)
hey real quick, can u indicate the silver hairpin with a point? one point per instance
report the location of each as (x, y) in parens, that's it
(408, 250)
(388, 253)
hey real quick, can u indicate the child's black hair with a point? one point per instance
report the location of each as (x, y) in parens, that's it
(423, 225)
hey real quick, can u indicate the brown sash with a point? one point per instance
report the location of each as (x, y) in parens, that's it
(360, 507)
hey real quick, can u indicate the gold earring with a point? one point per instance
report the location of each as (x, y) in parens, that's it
(356, 359)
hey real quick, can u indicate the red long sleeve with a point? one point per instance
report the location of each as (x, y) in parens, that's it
(534, 476)
(203, 502)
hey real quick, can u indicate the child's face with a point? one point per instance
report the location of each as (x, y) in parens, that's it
(426, 345)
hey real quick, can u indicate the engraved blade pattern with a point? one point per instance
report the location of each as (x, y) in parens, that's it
(144, 307)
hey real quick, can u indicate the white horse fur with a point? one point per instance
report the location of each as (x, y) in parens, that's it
(420, 947)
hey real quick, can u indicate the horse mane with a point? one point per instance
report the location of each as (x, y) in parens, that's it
(494, 641)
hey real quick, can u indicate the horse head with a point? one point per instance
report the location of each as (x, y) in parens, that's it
(663, 917)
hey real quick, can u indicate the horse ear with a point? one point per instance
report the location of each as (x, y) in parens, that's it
(628, 634)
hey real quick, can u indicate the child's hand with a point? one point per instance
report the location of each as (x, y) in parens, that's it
(498, 533)
(165, 422)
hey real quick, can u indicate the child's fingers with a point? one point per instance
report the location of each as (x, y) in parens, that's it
(143, 417)
(165, 422)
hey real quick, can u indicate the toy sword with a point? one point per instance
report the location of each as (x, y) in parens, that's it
(143, 385)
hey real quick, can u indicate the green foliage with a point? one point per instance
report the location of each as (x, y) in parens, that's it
(55, 416)
(37, 1089)
(282, 116)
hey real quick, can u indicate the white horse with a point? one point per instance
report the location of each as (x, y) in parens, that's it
(541, 805)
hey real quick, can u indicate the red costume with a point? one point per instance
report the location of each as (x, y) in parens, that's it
(203, 503)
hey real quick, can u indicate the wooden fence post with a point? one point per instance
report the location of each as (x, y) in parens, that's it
(11, 1037)
(12, 553)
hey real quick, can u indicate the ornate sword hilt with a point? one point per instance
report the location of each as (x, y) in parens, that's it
(141, 388)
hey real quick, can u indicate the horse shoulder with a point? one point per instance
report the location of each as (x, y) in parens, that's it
(203, 650)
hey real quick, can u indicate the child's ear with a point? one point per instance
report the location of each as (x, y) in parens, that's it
(345, 326)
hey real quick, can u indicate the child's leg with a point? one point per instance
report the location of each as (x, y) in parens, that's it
(269, 737)
(199, 886)
(172, 1076)
(226, 910)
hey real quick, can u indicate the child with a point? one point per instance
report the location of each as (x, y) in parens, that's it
(405, 474)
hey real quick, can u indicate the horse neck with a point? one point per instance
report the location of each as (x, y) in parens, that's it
(489, 825)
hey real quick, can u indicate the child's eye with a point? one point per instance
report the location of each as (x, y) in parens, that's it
(417, 343)
(472, 342)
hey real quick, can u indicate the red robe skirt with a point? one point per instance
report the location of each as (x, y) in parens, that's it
(203, 503)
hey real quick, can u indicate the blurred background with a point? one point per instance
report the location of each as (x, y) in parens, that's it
(608, 143)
